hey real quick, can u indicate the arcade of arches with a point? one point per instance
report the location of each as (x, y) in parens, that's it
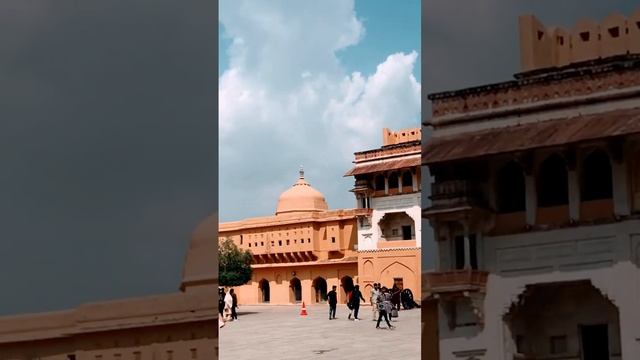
(309, 284)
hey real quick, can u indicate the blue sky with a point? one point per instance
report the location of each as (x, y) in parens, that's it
(309, 83)
(391, 26)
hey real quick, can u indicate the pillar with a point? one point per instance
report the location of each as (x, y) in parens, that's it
(467, 247)
(386, 185)
(574, 195)
(531, 199)
(621, 193)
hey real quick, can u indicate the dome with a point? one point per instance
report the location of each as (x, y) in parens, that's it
(201, 265)
(301, 197)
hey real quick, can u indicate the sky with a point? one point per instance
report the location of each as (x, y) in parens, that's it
(107, 147)
(309, 83)
(472, 43)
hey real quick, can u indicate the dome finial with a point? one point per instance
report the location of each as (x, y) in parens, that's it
(301, 172)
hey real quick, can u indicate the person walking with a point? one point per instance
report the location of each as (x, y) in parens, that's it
(395, 297)
(234, 305)
(332, 296)
(374, 300)
(228, 303)
(356, 296)
(384, 306)
(221, 295)
(349, 305)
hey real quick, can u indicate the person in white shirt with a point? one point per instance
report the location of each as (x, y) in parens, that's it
(374, 300)
(228, 303)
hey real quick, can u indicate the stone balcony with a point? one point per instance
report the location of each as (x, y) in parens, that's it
(454, 196)
(457, 281)
(458, 190)
(458, 286)
(363, 212)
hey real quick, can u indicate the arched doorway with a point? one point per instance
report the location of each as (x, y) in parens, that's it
(346, 283)
(295, 292)
(407, 181)
(264, 290)
(597, 177)
(556, 319)
(553, 185)
(320, 289)
(510, 189)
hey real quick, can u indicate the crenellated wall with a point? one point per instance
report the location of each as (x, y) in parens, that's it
(401, 136)
(544, 47)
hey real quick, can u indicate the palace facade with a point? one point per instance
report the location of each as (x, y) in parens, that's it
(177, 326)
(305, 248)
(535, 202)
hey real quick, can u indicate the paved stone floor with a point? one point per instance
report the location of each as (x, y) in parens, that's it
(280, 333)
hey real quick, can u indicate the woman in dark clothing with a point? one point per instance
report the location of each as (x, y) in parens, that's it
(395, 297)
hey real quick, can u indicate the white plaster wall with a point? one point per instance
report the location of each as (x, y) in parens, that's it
(368, 237)
(605, 254)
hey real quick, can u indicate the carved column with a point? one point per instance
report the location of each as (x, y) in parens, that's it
(573, 184)
(386, 184)
(619, 177)
(467, 246)
(531, 195)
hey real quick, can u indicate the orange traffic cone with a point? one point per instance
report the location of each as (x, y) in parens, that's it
(303, 311)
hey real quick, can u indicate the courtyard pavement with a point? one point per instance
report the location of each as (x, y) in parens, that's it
(280, 333)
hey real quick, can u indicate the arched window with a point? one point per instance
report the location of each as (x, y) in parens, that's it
(379, 182)
(393, 180)
(510, 189)
(553, 183)
(407, 178)
(596, 174)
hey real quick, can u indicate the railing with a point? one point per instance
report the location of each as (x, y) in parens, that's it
(453, 193)
(458, 279)
(453, 188)
(363, 212)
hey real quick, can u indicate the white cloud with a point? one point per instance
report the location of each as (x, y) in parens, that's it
(286, 100)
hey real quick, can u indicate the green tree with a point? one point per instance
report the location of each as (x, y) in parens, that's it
(235, 264)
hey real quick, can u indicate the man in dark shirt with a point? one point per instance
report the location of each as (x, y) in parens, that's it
(332, 296)
(234, 314)
(356, 296)
(221, 295)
